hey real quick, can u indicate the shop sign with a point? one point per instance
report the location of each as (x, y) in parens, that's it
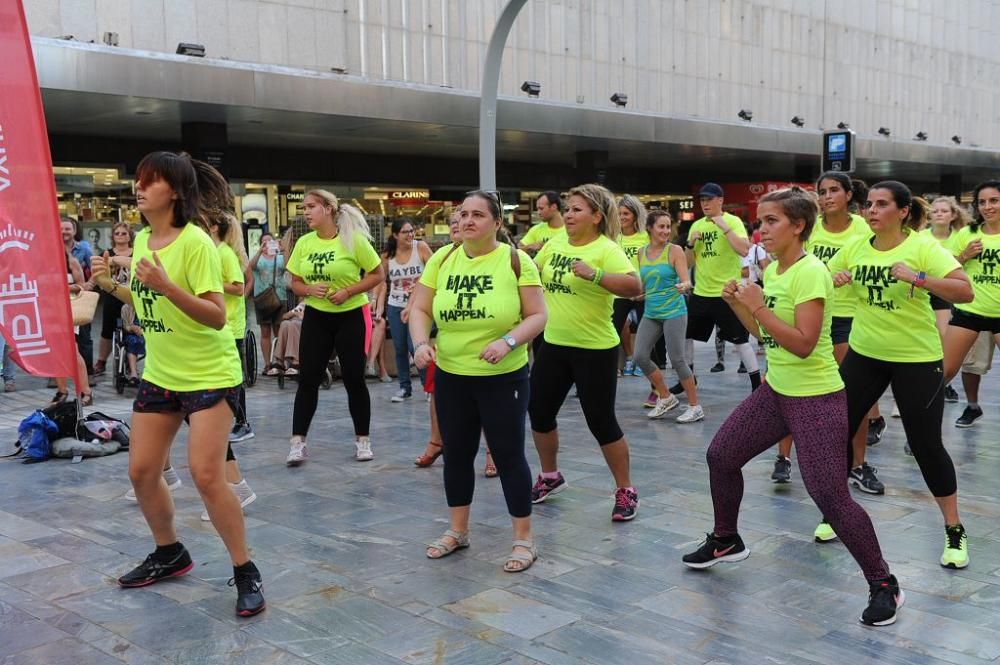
(411, 194)
(295, 196)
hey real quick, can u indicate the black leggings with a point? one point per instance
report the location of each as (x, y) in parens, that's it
(919, 392)
(496, 406)
(322, 334)
(594, 372)
(241, 417)
(111, 311)
(619, 315)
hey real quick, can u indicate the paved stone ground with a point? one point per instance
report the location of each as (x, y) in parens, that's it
(341, 548)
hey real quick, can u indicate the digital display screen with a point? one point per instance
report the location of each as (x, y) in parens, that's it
(836, 143)
(838, 151)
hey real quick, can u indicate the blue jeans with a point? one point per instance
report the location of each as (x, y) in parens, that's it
(8, 364)
(404, 347)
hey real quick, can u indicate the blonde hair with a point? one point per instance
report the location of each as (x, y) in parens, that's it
(960, 216)
(634, 206)
(349, 219)
(601, 201)
(127, 227)
(231, 233)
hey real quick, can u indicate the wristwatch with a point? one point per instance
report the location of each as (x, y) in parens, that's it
(509, 339)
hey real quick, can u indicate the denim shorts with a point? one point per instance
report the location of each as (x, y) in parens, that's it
(154, 399)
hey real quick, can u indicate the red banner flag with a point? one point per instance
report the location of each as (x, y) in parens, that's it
(35, 315)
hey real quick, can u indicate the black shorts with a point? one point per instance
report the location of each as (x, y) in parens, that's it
(705, 313)
(154, 399)
(938, 304)
(970, 321)
(840, 329)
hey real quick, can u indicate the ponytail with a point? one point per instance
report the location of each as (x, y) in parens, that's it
(349, 219)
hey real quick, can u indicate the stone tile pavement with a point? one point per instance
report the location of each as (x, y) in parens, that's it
(341, 548)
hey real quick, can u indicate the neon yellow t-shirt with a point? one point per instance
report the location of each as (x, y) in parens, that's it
(542, 233)
(328, 261)
(182, 354)
(825, 244)
(579, 310)
(889, 324)
(716, 262)
(631, 246)
(236, 308)
(950, 243)
(807, 279)
(982, 272)
(476, 302)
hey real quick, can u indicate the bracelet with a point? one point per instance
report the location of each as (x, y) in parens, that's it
(418, 345)
(598, 276)
(920, 279)
(754, 313)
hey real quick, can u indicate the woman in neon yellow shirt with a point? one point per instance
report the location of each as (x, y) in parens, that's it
(192, 372)
(634, 237)
(894, 339)
(792, 316)
(326, 267)
(947, 218)
(582, 272)
(486, 300)
(977, 247)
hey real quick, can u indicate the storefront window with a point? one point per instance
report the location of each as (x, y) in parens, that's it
(97, 197)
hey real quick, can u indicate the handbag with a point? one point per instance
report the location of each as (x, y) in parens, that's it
(267, 301)
(84, 306)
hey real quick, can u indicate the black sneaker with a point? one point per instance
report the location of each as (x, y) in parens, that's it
(153, 569)
(249, 592)
(545, 486)
(677, 388)
(717, 367)
(884, 598)
(713, 550)
(742, 369)
(875, 429)
(863, 477)
(969, 417)
(782, 471)
(626, 504)
(950, 394)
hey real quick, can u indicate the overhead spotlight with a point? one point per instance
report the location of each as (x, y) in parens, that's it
(193, 50)
(884, 131)
(956, 139)
(620, 99)
(798, 122)
(532, 88)
(921, 136)
(843, 125)
(745, 114)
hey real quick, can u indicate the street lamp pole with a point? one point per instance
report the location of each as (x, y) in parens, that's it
(488, 97)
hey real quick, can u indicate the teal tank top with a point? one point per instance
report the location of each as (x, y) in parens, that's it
(659, 279)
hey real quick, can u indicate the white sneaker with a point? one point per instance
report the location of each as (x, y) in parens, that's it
(691, 414)
(173, 483)
(364, 449)
(297, 453)
(895, 410)
(243, 492)
(663, 404)
(400, 396)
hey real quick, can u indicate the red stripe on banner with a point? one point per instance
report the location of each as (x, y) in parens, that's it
(35, 315)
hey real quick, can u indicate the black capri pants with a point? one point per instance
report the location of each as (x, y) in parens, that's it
(595, 373)
(622, 307)
(496, 406)
(111, 311)
(919, 392)
(322, 334)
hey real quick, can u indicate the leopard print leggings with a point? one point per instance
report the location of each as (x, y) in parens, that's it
(819, 427)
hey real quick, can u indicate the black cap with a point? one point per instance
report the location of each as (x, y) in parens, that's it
(710, 189)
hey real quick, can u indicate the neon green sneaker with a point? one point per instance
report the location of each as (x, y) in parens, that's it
(956, 547)
(824, 533)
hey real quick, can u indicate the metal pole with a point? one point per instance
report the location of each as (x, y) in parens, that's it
(488, 97)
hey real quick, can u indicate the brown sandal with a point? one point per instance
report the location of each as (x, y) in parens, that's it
(491, 469)
(425, 461)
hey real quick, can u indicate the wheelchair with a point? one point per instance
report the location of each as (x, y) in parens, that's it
(119, 358)
(250, 353)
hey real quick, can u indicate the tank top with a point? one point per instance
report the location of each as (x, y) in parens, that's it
(659, 279)
(402, 278)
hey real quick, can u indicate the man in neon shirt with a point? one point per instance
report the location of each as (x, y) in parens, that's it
(716, 246)
(549, 208)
